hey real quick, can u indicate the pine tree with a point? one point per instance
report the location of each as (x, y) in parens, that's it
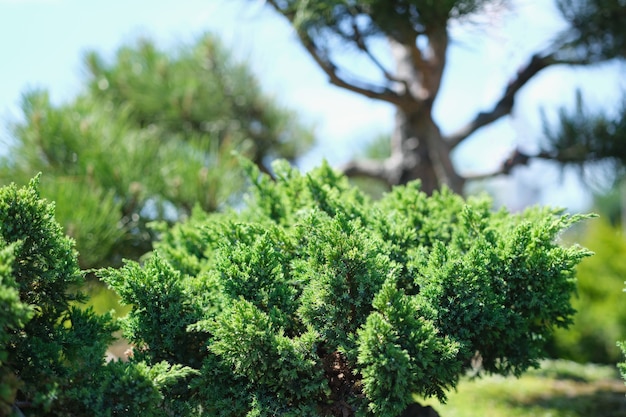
(418, 37)
(149, 138)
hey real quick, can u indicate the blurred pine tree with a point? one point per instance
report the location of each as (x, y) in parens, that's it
(150, 137)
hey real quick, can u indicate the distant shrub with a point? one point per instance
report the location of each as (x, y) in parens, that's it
(601, 311)
(314, 300)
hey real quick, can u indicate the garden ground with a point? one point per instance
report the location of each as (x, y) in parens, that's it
(557, 389)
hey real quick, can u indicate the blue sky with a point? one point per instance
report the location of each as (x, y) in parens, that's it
(42, 43)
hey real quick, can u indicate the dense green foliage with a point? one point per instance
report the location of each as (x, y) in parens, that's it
(197, 91)
(52, 352)
(13, 316)
(150, 136)
(596, 32)
(314, 300)
(601, 312)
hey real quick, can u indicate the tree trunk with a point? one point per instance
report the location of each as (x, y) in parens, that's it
(418, 150)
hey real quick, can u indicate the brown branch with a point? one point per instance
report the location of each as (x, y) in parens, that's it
(505, 104)
(365, 89)
(417, 56)
(365, 168)
(388, 171)
(360, 43)
(516, 158)
(331, 70)
(438, 41)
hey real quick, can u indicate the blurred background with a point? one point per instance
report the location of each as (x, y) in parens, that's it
(132, 109)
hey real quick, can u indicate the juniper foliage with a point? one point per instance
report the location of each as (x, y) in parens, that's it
(314, 300)
(51, 349)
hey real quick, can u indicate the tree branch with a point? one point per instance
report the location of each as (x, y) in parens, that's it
(365, 168)
(331, 70)
(436, 58)
(367, 90)
(505, 104)
(360, 43)
(388, 171)
(517, 158)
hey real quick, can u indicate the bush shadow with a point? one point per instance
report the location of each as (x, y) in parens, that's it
(574, 398)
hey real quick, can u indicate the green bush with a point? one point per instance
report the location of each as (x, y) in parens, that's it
(13, 317)
(601, 312)
(313, 300)
(51, 351)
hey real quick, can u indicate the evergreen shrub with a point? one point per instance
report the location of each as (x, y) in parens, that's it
(52, 351)
(313, 300)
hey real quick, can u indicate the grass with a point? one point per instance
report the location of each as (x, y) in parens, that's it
(103, 300)
(558, 389)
